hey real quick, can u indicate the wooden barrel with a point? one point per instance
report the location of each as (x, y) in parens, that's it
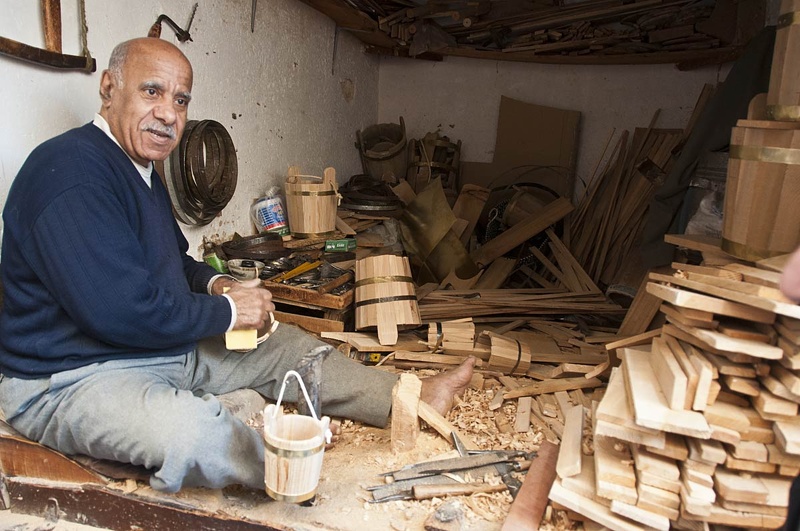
(783, 99)
(311, 203)
(761, 217)
(294, 446)
(385, 297)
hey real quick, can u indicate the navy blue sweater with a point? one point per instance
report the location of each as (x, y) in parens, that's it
(94, 265)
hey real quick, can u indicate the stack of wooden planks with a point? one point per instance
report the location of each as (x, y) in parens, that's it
(606, 225)
(700, 425)
(589, 28)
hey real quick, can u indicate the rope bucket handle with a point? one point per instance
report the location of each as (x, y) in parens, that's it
(328, 434)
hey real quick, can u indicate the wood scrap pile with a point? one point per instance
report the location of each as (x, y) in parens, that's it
(605, 227)
(701, 424)
(653, 29)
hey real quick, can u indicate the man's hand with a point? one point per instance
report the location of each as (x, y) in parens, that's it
(253, 303)
(219, 285)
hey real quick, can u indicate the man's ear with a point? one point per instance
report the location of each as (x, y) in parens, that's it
(106, 87)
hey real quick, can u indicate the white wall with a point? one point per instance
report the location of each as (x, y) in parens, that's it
(289, 107)
(462, 98)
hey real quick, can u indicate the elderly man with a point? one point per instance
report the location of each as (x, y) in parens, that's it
(110, 335)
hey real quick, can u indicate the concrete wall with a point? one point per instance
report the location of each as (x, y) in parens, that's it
(461, 97)
(278, 90)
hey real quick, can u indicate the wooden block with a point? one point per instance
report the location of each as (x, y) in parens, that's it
(699, 492)
(749, 466)
(497, 400)
(733, 398)
(777, 456)
(657, 496)
(644, 338)
(706, 450)
(718, 515)
(750, 451)
(725, 435)
(692, 376)
(754, 275)
(790, 380)
(641, 311)
(528, 507)
(551, 386)
(726, 416)
(522, 422)
(767, 404)
(727, 367)
(706, 303)
(700, 466)
(758, 508)
(405, 418)
(758, 434)
(791, 471)
(585, 482)
(736, 487)
(694, 506)
(564, 404)
(670, 376)
(674, 447)
(656, 465)
(674, 314)
(614, 473)
(744, 331)
(649, 404)
(744, 386)
(569, 457)
(707, 480)
(637, 514)
(646, 478)
(591, 509)
(713, 392)
(705, 374)
(787, 437)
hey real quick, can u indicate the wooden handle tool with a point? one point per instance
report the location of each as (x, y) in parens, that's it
(424, 492)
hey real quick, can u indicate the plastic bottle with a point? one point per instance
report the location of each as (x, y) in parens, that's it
(211, 257)
(268, 214)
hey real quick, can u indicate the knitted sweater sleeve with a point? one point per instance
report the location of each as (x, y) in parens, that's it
(86, 253)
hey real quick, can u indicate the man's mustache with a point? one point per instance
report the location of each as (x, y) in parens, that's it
(158, 127)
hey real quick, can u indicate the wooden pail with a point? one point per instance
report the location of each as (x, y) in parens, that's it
(783, 99)
(385, 297)
(761, 217)
(311, 203)
(508, 355)
(294, 446)
(384, 151)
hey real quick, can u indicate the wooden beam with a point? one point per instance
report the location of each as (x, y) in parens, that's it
(51, 16)
(38, 56)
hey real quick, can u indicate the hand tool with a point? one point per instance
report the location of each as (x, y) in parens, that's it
(454, 464)
(299, 270)
(310, 370)
(510, 481)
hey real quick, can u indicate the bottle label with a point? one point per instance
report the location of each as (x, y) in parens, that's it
(270, 216)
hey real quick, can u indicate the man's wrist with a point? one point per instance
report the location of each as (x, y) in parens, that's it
(218, 283)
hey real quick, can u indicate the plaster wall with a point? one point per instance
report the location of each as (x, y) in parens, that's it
(279, 91)
(461, 98)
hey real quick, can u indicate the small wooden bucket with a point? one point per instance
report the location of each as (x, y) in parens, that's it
(508, 355)
(294, 446)
(311, 203)
(783, 99)
(385, 295)
(761, 217)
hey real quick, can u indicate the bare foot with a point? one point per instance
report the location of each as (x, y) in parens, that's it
(440, 390)
(336, 432)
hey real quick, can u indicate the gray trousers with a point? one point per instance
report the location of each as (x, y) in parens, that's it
(161, 413)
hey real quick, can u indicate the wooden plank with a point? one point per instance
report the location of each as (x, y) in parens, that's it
(692, 376)
(312, 324)
(727, 416)
(522, 422)
(369, 342)
(754, 275)
(754, 301)
(637, 514)
(529, 506)
(51, 15)
(569, 456)
(746, 288)
(615, 410)
(649, 404)
(615, 477)
(674, 313)
(521, 232)
(787, 437)
(551, 386)
(657, 465)
(441, 425)
(591, 509)
(674, 448)
(670, 376)
(720, 342)
(706, 303)
(496, 274)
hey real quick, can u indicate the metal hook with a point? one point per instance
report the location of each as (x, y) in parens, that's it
(183, 35)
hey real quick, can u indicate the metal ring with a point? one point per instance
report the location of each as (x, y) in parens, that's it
(769, 154)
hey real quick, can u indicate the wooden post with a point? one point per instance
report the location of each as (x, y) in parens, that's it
(51, 16)
(405, 420)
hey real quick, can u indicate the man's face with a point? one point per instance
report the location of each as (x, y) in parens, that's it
(147, 111)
